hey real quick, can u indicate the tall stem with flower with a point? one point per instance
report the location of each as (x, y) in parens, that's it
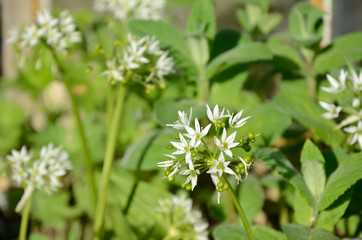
(216, 159)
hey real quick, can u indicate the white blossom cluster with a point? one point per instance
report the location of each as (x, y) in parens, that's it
(131, 9)
(142, 61)
(42, 173)
(347, 99)
(206, 149)
(181, 220)
(58, 33)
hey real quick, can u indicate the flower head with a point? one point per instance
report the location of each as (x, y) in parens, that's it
(332, 110)
(226, 143)
(182, 122)
(198, 132)
(220, 166)
(236, 122)
(356, 132)
(216, 114)
(336, 86)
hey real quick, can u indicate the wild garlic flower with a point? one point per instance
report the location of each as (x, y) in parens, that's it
(142, 61)
(131, 9)
(42, 173)
(347, 100)
(181, 220)
(59, 33)
(208, 150)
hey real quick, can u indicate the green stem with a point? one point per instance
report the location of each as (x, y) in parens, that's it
(240, 210)
(110, 107)
(86, 152)
(25, 220)
(107, 164)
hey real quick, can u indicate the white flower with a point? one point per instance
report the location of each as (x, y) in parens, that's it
(216, 114)
(46, 20)
(356, 102)
(336, 86)
(19, 157)
(53, 36)
(357, 80)
(192, 176)
(31, 36)
(357, 133)
(220, 166)
(198, 132)
(332, 110)
(185, 147)
(226, 143)
(182, 122)
(14, 35)
(113, 74)
(128, 62)
(164, 65)
(236, 122)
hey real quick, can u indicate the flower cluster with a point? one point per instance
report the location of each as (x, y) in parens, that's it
(181, 220)
(43, 173)
(131, 9)
(210, 150)
(347, 93)
(142, 61)
(58, 33)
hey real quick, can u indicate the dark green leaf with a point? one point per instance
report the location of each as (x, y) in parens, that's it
(245, 53)
(267, 233)
(296, 232)
(228, 232)
(336, 55)
(347, 174)
(278, 162)
(252, 196)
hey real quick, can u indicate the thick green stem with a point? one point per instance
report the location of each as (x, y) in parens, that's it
(86, 152)
(25, 220)
(240, 210)
(107, 164)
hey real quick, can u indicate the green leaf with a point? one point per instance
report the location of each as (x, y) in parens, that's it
(296, 232)
(303, 211)
(336, 55)
(11, 121)
(331, 215)
(145, 153)
(169, 37)
(202, 19)
(75, 231)
(251, 194)
(37, 236)
(276, 118)
(267, 233)
(313, 169)
(278, 162)
(245, 53)
(228, 232)
(51, 210)
(294, 102)
(268, 22)
(305, 24)
(347, 174)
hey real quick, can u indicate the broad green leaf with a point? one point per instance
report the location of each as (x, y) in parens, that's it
(285, 56)
(166, 109)
(117, 223)
(252, 196)
(278, 162)
(336, 55)
(313, 169)
(347, 174)
(142, 214)
(294, 102)
(303, 211)
(267, 233)
(331, 215)
(51, 210)
(305, 24)
(148, 151)
(276, 118)
(228, 232)
(296, 232)
(202, 19)
(169, 37)
(11, 122)
(268, 22)
(245, 53)
(334, 157)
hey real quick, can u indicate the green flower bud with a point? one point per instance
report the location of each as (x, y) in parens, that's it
(220, 189)
(220, 184)
(188, 187)
(171, 178)
(251, 135)
(247, 159)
